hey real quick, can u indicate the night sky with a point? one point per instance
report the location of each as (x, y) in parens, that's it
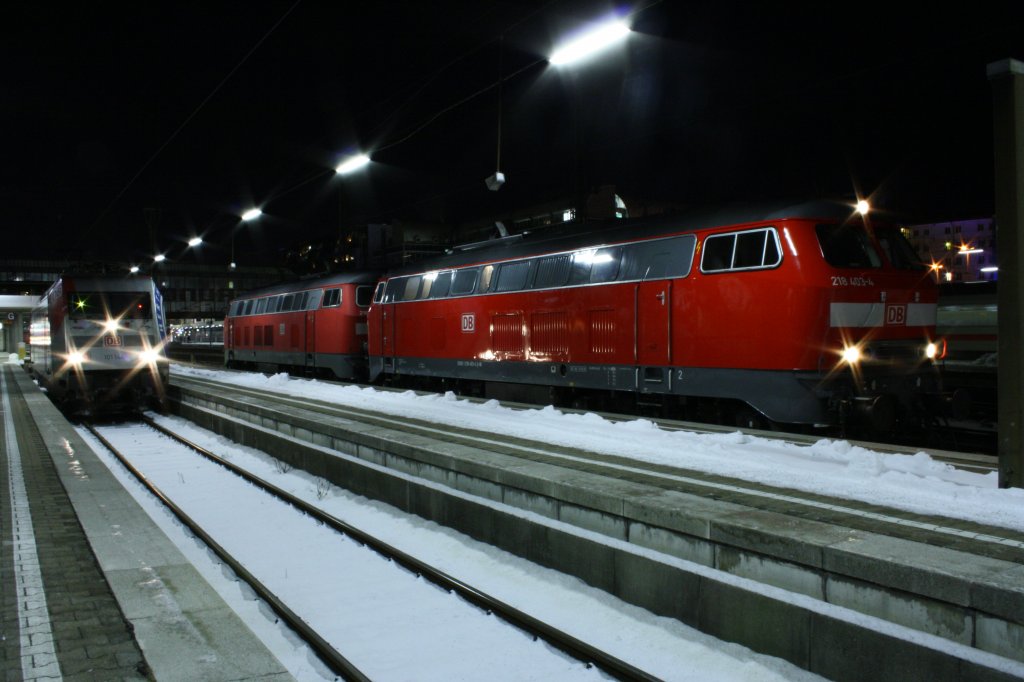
(129, 128)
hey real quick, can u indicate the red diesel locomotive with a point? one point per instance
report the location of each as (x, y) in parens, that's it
(807, 314)
(315, 326)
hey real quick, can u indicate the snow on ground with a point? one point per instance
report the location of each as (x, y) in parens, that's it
(916, 483)
(661, 646)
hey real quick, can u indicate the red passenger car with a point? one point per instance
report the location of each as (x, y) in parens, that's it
(314, 326)
(804, 314)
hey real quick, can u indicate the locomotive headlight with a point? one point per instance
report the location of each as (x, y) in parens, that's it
(852, 355)
(111, 325)
(76, 358)
(149, 356)
(936, 350)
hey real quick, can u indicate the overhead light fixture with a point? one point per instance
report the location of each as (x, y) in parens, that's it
(590, 42)
(863, 207)
(195, 241)
(159, 258)
(495, 181)
(352, 164)
(252, 214)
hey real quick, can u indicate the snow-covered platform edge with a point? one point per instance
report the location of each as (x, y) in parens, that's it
(824, 638)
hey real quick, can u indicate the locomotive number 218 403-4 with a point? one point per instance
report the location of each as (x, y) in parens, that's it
(841, 281)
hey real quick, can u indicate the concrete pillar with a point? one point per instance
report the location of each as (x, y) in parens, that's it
(1007, 80)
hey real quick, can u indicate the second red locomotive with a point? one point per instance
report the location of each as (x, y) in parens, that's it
(805, 314)
(314, 326)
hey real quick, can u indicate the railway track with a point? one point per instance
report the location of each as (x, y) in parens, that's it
(133, 458)
(805, 503)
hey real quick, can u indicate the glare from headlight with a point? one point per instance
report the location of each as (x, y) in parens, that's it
(76, 358)
(852, 355)
(149, 356)
(931, 351)
(111, 325)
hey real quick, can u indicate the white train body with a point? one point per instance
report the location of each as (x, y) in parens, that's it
(98, 343)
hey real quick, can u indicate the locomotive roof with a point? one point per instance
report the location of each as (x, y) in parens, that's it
(572, 236)
(361, 277)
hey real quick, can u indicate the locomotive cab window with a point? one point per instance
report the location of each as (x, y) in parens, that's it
(847, 246)
(95, 306)
(363, 296)
(898, 250)
(332, 298)
(378, 293)
(749, 250)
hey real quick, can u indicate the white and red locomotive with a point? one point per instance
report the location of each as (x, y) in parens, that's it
(313, 326)
(97, 343)
(798, 314)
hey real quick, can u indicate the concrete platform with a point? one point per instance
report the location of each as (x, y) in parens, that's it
(92, 588)
(846, 591)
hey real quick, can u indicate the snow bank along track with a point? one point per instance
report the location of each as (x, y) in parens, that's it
(335, 660)
(843, 589)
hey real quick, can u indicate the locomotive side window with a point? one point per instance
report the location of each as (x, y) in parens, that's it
(248, 307)
(412, 288)
(332, 298)
(363, 295)
(261, 306)
(486, 274)
(658, 259)
(394, 289)
(378, 293)
(552, 271)
(582, 265)
(275, 304)
(464, 281)
(753, 249)
(313, 299)
(512, 276)
(235, 305)
(847, 246)
(441, 285)
(605, 265)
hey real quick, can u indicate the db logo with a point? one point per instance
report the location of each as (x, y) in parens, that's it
(896, 314)
(112, 341)
(468, 323)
